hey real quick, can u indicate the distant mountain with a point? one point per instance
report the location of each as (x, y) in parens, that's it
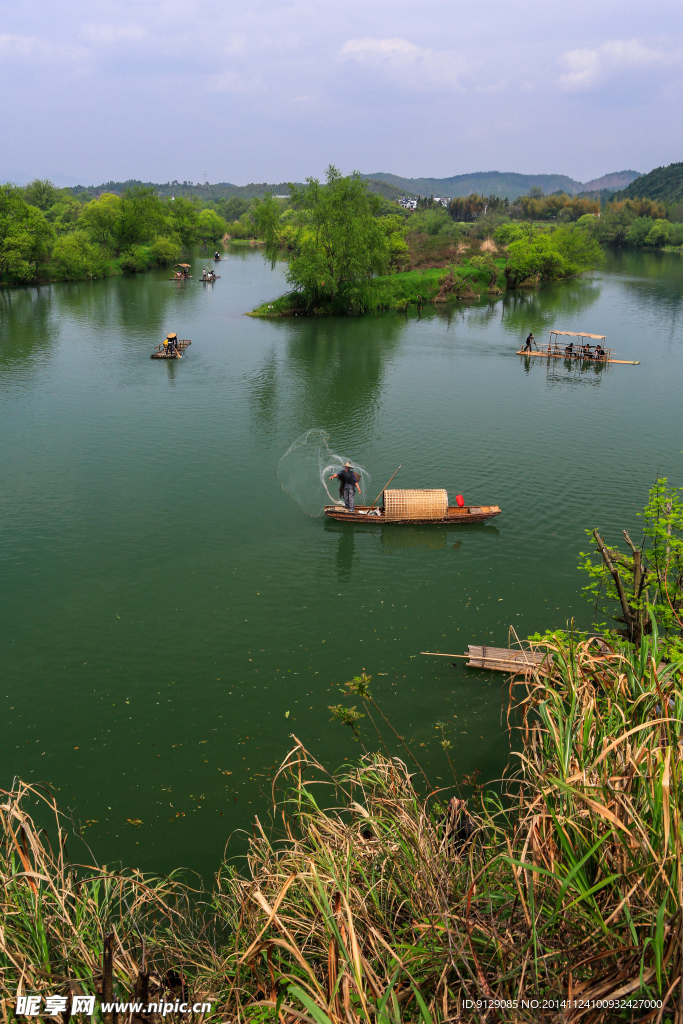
(500, 183)
(665, 183)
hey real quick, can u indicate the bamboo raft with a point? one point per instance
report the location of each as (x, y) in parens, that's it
(500, 659)
(177, 353)
(414, 507)
(556, 351)
(209, 280)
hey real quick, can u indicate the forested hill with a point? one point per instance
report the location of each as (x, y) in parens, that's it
(664, 183)
(207, 191)
(502, 183)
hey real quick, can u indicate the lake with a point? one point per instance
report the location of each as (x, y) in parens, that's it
(171, 617)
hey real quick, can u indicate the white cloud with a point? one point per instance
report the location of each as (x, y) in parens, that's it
(107, 34)
(23, 46)
(35, 51)
(406, 63)
(589, 67)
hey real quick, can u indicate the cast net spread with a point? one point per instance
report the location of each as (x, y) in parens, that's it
(305, 468)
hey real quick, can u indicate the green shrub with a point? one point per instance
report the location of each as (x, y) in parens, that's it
(659, 233)
(135, 259)
(165, 250)
(75, 258)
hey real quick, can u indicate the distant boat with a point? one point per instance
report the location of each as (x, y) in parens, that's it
(183, 272)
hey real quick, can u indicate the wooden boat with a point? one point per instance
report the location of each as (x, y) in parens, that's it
(414, 507)
(556, 351)
(209, 280)
(176, 352)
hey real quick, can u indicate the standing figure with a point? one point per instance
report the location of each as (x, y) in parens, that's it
(348, 484)
(527, 346)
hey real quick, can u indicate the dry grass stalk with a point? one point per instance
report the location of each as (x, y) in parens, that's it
(372, 902)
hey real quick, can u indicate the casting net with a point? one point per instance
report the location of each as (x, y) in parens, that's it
(304, 469)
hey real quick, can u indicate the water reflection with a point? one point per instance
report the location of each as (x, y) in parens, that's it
(28, 329)
(561, 372)
(332, 374)
(551, 307)
(401, 537)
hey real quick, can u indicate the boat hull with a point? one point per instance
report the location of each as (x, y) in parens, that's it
(456, 516)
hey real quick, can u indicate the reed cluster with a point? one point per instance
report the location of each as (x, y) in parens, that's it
(368, 897)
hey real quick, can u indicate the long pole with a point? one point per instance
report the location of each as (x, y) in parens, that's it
(382, 491)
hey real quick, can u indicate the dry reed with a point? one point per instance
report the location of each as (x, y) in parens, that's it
(365, 900)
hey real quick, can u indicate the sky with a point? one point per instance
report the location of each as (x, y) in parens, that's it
(274, 90)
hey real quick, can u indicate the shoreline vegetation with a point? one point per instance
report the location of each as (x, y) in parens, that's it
(348, 251)
(370, 894)
(482, 244)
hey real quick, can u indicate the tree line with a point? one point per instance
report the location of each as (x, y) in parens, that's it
(48, 233)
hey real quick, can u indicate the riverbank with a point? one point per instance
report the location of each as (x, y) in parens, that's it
(561, 882)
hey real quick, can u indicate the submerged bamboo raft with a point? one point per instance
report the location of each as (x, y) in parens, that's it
(500, 659)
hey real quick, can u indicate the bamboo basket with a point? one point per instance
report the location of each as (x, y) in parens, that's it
(415, 504)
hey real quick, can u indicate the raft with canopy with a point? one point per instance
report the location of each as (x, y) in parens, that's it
(559, 350)
(183, 272)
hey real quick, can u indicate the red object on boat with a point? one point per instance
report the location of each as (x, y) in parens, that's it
(459, 500)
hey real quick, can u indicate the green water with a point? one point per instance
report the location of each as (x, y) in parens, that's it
(169, 614)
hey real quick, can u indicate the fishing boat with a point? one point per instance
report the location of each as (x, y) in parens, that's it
(183, 272)
(580, 352)
(414, 507)
(171, 348)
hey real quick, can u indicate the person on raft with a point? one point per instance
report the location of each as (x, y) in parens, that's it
(348, 483)
(527, 346)
(569, 350)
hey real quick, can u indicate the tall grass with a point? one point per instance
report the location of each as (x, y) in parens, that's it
(367, 898)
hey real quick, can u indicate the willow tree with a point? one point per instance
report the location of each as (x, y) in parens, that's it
(338, 241)
(646, 580)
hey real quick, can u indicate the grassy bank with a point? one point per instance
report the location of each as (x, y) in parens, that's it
(396, 291)
(372, 896)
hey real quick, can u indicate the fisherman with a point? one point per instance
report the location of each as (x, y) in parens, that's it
(349, 482)
(527, 347)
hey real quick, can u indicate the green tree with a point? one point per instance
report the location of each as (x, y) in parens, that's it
(484, 262)
(25, 236)
(340, 243)
(184, 215)
(578, 248)
(210, 226)
(165, 250)
(535, 257)
(41, 193)
(639, 230)
(119, 222)
(659, 234)
(100, 219)
(648, 577)
(75, 258)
